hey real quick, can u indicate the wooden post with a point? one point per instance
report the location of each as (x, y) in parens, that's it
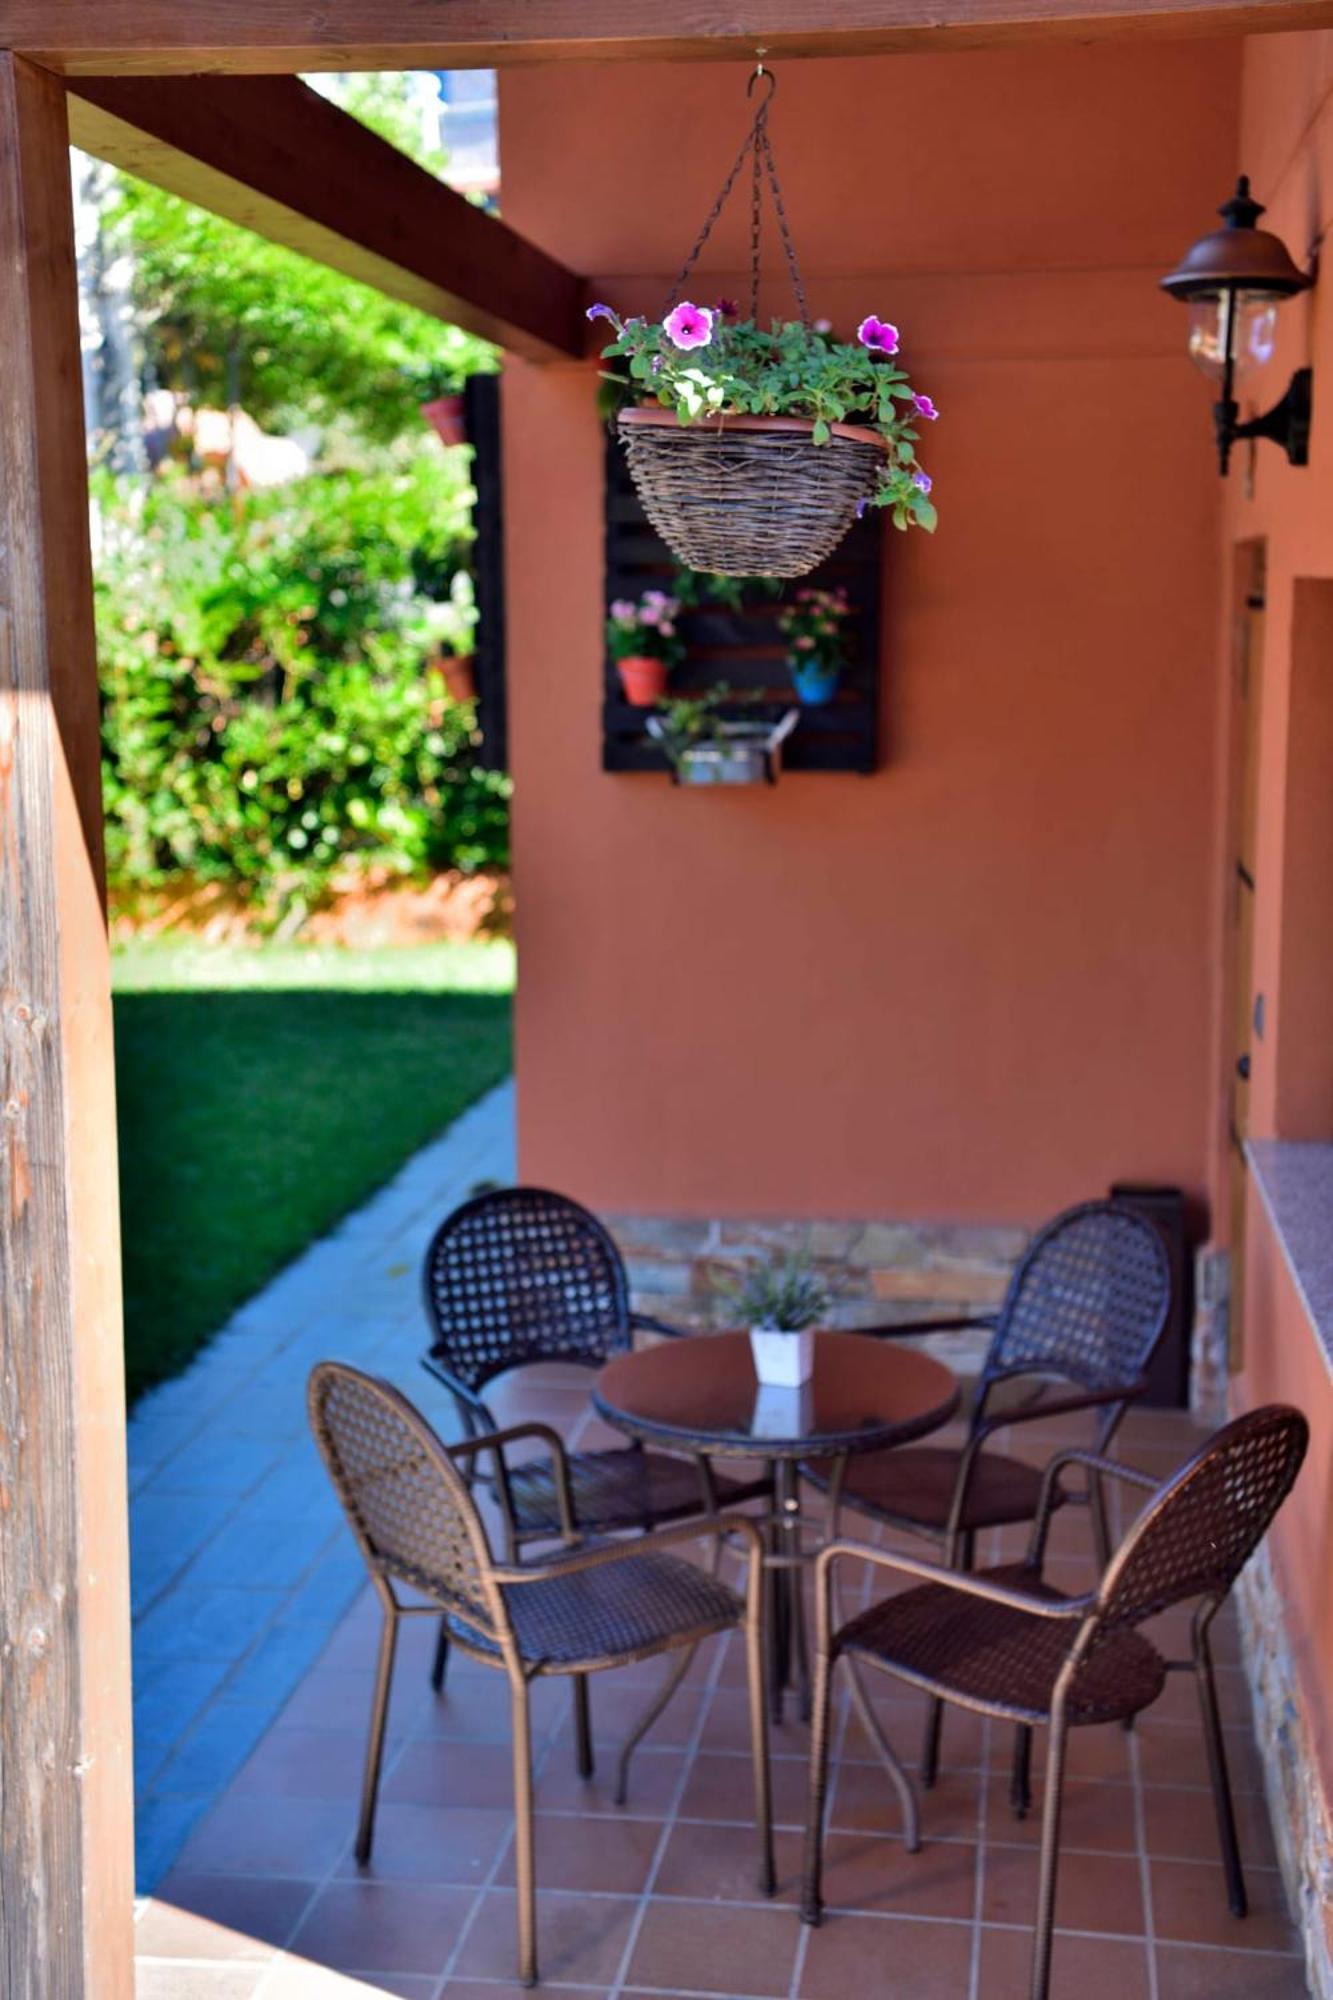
(66, 1872)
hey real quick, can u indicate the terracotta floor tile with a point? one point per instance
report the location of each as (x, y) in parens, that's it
(488, 1989)
(1171, 1753)
(340, 1698)
(296, 1837)
(580, 1939)
(715, 1948)
(1182, 1826)
(1189, 1972)
(864, 1801)
(308, 1764)
(869, 1872)
(653, 1779)
(383, 1927)
(1190, 1907)
(221, 1916)
(434, 1773)
(720, 1787)
(1099, 1815)
(1179, 1700)
(1100, 1968)
(431, 1844)
(610, 1856)
(883, 1955)
(1098, 1751)
(716, 1863)
(727, 1727)
(1094, 1892)
(617, 1710)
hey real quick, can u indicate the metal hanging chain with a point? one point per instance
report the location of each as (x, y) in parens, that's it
(758, 148)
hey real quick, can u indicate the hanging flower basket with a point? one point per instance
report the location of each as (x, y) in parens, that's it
(750, 496)
(753, 449)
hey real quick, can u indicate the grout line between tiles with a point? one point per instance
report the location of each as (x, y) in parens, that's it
(1145, 1872)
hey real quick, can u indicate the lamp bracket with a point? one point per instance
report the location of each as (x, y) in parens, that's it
(1286, 424)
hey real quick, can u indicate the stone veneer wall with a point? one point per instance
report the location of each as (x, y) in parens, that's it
(1291, 1770)
(880, 1273)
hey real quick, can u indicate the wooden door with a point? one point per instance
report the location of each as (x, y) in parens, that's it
(1245, 1019)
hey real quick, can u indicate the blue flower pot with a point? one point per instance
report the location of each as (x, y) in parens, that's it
(814, 682)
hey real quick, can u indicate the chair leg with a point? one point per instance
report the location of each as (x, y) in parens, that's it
(957, 1555)
(812, 1898)
(1020, 1780)
(441, 1660)
(680, 1666)
(1101, 1531)
(379, 1715)
(523, 1865)
(1050, 1857)
(582, 1725)
(1217, 1770)
(763, 1789)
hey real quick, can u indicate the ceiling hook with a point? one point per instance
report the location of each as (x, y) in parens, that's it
(765, 75)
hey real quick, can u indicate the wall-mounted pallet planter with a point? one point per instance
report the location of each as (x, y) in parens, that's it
(745, 648)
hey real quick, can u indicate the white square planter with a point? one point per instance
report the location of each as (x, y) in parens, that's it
(783, 1360)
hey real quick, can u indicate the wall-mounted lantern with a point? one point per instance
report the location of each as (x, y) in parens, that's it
(1233, 282)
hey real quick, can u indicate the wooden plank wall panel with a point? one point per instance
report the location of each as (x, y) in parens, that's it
(66, 1863)
(481, 405)
(745, 648)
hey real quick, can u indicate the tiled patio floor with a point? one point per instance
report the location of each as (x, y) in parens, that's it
(659, 1898)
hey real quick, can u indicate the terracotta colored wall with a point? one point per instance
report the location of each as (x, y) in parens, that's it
(979, 983)
(1287, 148)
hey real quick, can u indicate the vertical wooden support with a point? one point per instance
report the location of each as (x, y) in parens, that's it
(66, 1880)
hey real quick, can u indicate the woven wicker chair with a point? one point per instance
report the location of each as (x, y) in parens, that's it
(522, 1275)
(1005, 1644)
(1087, 1305)
(413, 1516)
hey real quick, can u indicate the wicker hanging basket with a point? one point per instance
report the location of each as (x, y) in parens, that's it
(749, 496)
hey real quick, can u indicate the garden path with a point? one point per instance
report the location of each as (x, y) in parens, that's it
(240, 1566)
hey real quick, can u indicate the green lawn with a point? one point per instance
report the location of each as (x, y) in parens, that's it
(265, 1092)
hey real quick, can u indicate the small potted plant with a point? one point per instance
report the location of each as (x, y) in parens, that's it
(641, 638)
(815, 625)
(706, 749)
(782, 1303)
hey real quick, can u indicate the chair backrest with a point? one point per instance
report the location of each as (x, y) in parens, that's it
(404, 1498)
(1197, 1533)
(1088, 1300)
(521, 1275)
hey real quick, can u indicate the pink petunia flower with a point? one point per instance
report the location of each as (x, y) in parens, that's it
(878, 335)
(925, 408)
(689, 326)
(623, 609)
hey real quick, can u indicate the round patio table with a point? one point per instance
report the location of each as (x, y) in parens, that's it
(700, 1396)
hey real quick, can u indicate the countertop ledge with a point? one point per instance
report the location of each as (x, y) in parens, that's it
(1295, 1183)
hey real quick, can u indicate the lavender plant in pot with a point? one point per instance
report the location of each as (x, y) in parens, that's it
(641, 638)
(782, 1303)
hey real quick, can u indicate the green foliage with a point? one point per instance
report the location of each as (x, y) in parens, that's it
(786, 1295)
(226, 316)
(716, 365)
(268, 715)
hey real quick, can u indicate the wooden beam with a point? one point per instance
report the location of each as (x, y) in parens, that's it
(157, 37)
(66, 1862)
(273, 154)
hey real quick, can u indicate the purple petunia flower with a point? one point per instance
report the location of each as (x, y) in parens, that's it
(861, 506)
(689, 326)
(728, 309)
(878, 335)
(923, 481)
(602, 312)
(925, 408)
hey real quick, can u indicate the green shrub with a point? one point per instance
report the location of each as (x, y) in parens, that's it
(268, 714)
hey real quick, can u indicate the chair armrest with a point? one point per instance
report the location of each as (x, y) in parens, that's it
(1053, 1406)
(496, 1441)
(905, 1328)
(716, 1526)
(645, 1323)
(1096, 1463)
(962, 1581)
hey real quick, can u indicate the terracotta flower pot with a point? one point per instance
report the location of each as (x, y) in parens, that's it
(643, 680)
(459, 675)
(445, 416)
